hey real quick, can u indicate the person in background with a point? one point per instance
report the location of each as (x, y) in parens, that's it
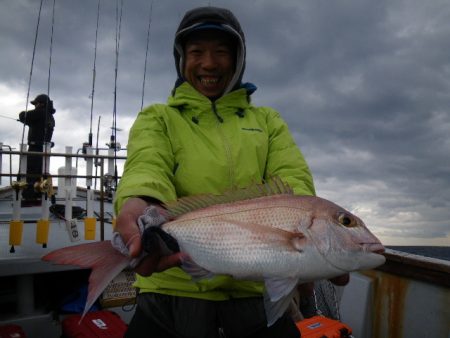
(41, 123)
(208, 138)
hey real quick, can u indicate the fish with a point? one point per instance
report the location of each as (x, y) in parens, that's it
(261, 233)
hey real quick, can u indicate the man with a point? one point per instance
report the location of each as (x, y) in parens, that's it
(209, 138)
(41, 124)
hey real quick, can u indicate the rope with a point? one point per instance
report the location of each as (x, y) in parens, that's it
(146, 53)
(94, 74)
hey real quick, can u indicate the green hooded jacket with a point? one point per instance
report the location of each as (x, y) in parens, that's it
(194, 146)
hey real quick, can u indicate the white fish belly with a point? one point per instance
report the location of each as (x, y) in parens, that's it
(229, 248)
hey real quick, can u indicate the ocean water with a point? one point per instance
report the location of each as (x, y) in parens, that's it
(441, 252)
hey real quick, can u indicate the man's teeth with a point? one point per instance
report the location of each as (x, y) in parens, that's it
(209, 81)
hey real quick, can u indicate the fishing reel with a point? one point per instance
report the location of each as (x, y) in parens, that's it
(19, 185)
(109, 183)
(45, 186)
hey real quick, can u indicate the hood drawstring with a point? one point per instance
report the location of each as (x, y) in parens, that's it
(216, 113)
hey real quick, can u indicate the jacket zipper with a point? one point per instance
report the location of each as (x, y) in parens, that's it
(226, 145)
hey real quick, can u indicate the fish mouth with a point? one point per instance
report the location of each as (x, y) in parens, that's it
(376, 248)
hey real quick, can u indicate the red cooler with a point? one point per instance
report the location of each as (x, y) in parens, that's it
(95, 324)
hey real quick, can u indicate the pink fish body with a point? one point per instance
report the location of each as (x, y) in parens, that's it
(278, 238)
(282, 235)
(282, 240)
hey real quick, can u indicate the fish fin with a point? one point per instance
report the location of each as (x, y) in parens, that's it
(275, 309)
(299, 241)
(272, 186)
(195, 270)
(100, 278)
(296, 239)
(277, 288)
(104, 261)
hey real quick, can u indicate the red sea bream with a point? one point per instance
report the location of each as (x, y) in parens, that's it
(261, 233)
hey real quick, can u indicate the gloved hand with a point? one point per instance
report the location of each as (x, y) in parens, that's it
(151, 218)
(130, 241)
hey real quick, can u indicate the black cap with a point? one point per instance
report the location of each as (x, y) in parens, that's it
(41, 98)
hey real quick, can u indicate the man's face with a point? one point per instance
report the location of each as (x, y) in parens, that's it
(209, 62)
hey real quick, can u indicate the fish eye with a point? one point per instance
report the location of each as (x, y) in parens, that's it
(346, 220)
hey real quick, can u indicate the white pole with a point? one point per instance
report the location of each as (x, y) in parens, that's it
(1, 148)
(89, 204)
(68, 171)
(46, 158)
(71, 224)
(23, 160)
(111, 161)
(89, 166)
(16, 207)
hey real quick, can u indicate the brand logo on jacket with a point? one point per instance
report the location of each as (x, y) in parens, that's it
(253, 129)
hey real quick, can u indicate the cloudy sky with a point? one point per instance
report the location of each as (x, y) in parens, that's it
(363, 85)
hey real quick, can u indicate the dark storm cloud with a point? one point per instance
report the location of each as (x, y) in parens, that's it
(363, 85)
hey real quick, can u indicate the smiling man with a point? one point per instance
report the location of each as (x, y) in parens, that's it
(210, 61)
(210, 47)
(208, 138)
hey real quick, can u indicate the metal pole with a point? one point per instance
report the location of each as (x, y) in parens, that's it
(102, 199)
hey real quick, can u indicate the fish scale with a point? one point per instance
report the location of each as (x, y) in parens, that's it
(242, 251)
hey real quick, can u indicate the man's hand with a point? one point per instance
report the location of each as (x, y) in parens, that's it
(340, 280)
(127, 227)
(157, 263)
(307, 289)
(126, 224)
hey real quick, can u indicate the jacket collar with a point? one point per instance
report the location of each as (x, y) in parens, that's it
(198, 107)
(188, 97)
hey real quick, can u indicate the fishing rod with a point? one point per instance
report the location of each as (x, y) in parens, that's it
(31, 75)
(146, 53)
(94, 73)
(113, 139)
(46, 159)
(7, 117)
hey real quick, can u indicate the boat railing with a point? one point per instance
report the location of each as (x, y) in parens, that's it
(107, 163)
(75, 180)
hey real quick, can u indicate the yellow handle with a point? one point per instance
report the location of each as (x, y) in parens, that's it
(15, 232)
(43, 226)
(89, 228)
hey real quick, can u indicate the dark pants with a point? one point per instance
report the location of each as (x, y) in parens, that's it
(34, 172)
(162, 316)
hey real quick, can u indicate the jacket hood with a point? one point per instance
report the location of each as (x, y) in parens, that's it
(210, 18)
(43, 98)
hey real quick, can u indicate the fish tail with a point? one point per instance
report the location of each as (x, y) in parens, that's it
(104, 261)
